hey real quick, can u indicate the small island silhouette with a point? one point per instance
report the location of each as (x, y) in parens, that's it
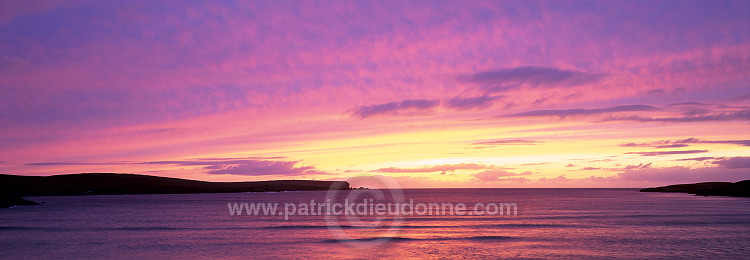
(14, 187)
(734, 189)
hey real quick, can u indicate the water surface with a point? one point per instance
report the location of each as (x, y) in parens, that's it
(551, 223)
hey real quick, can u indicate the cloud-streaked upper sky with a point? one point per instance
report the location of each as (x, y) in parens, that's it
(432, 93)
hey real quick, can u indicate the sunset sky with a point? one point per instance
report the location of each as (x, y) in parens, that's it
(431, 93)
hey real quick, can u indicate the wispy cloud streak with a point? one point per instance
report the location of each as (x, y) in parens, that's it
(396, 108)
(438, 168)
(684, 143)
(742, 115)
(467, 103)
(497, 175)
(660, 153)
(255, 166)
(531, 77)
(582, 111)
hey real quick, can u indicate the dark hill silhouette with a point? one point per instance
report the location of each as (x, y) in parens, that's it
(10, 201)
(736, 189)
(12, 187)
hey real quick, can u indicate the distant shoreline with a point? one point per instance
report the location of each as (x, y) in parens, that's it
(14, 187)
(732, 189)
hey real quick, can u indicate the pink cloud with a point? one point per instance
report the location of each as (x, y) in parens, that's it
(121, 80)
(498, 175)
(409, 106)
(679, 174)
(439, 168)
(734, 162)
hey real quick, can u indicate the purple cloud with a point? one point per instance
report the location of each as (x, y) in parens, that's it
(734, 162)
(680, 174)
(261, 168)
(411, 106)
(742, 115)
(461, 103)
(668, 152)
(737, 142)
(639, 166)
(740, 162)
(497, 175)
(438, 168)
(507, 142)
(655, 146)
(672, 146)
(579, 111)
(740, 98)
(656, 91)
(689, 104)
(684, 143)
(700, 159)
(532, 77)
(396, 107)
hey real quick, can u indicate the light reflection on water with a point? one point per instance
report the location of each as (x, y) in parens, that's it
(551, 223)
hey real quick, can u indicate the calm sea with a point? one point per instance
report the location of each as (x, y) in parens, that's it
(550, 223)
